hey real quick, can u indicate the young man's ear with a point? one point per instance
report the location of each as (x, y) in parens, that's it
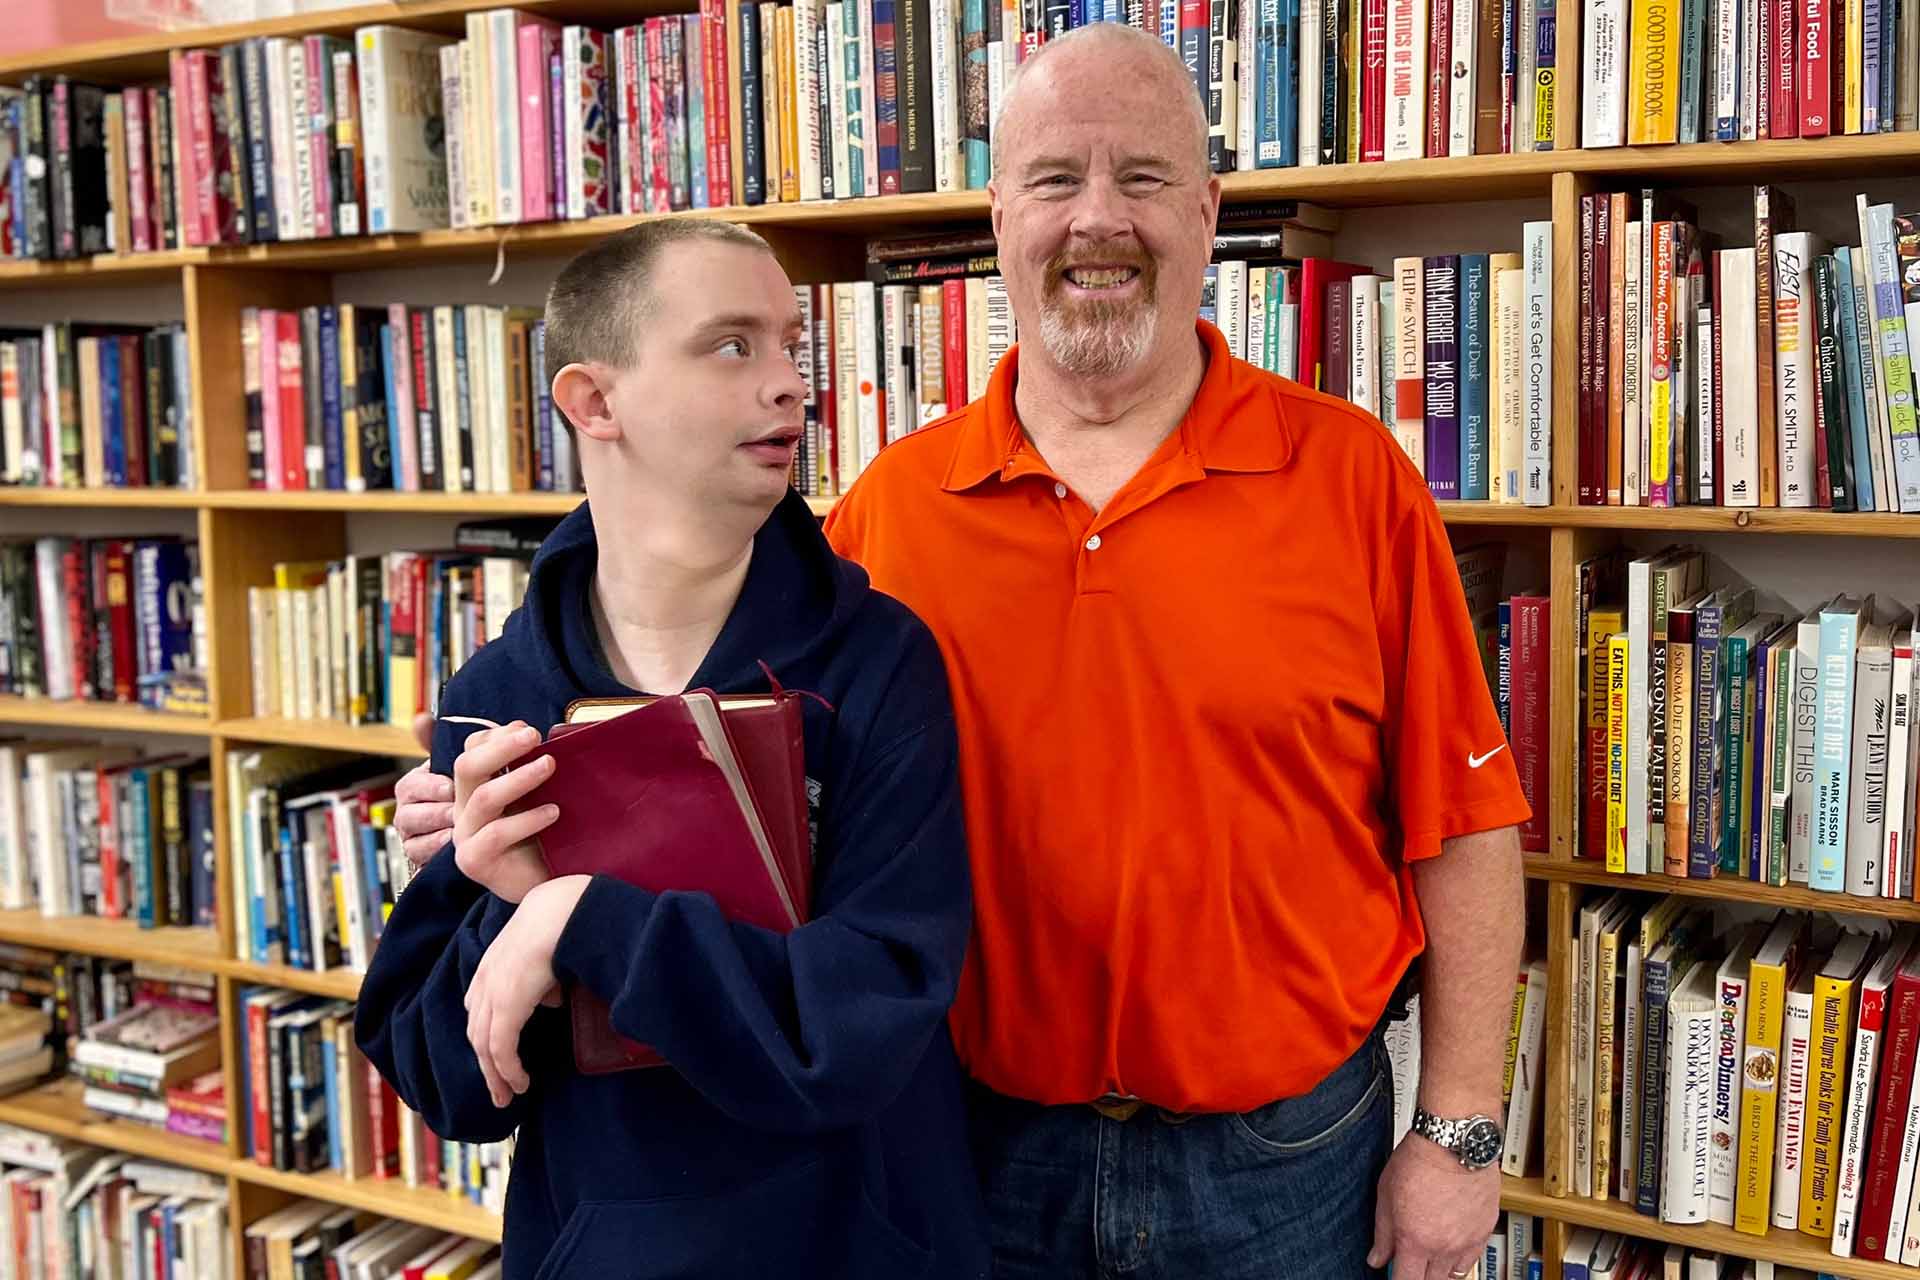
(580, 392)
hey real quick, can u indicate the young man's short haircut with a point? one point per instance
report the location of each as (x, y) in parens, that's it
(601, 299)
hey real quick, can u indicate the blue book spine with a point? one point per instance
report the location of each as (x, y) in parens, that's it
(332, 441)
(1759, 795)
(1739, 660)
(1503, 679)
(1889, 29)
(542, 408)
(1871, 48)
(1544, 28)
(370, 880)
(200, 831)
(1077, 13)
(1854, 379)
(886, 76)
(138, 830)
(266, 225)
(1653, 1076)
(392, 394)
(1703, 843)
(330, 1074)
(973, 58)
(183, 405)
(462, 420)
(113, 432)
(752, 125)
(696, 110)
(1475, 410)
(290, 898)
(1210, 293)
(1442, 376)
(856, 118)
(1833, 740)
(1535, 1269)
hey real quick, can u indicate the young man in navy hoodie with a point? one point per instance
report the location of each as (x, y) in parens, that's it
(811, 1120)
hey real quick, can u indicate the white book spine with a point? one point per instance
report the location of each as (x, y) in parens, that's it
(1409, 423)
(1903, 1185)
(1461, 100)
(1684, 1177)
(1403, 1055)
(1629, 1104)
(1793, 366)
(1528, 1062)
(45, 824)
(1632, 477)
(1406, 79)
(943, 22)
(1740, 390)
(806, 29)
(1796, 1036)
(1899, 851)
(1231, 300)
(1000, 329)
(1364, 375)
(1892, 330)
(1519, 1246)
(1286, 322)
(1728, 18)
(870, 108)
(453, 109)
(572, 120)
(504, 75)
(300, 136)
(1246, 78)
(1513, 378)
(836, 84)
(13, 892)
(1866, 817)
(866, 369)
(373, 100)
(1308, 76)
(1584, 1037)
(1536, 478)
(1528, 60)
(1749, 70)
(1853, 1140)
(977, 337)
(1603, 97)
(1729, 1053)
(1257, 316)
(1702, 366)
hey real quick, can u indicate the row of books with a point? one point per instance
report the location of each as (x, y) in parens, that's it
(373, 639)
(72, 1211)
(96, 405)
(1752, 1073)
(1776, 375)
(1513, 634)
(1451, 352)
(310, 1102)
(1736, 70)
(114, 831)
(1724, 737)
(317, 862)
(157, 1064)
(104, 619)
(311, 1240)
(450, 397)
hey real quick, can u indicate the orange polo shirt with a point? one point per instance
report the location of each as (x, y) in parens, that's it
(1203, 732)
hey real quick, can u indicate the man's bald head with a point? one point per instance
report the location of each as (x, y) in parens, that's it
(1087, 60)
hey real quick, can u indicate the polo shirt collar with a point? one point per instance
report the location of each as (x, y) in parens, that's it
(1216, 431)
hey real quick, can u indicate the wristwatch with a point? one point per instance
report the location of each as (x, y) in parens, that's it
(1476, 1140)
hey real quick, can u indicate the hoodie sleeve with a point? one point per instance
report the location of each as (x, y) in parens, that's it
(411, 1019)
(822, 1027)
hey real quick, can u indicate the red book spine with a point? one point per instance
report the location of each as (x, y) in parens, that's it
(110, 906)
(423, 381)
(261, 1090)
(73, 578)
(1530, 714)
(133, 407)
(179, 96)
(1813, 68)
(660, 197)
(1373, 86)
(1584, 422)
(429, 1156)
(537, 196)
(1604, 466)
(1439, 74)
(953, 294)
(293, 405)
(200, 136)
(1889, 1120)
(319, 138)
(632, 42)
(381, 1128)
(713, 18)
(422, 628)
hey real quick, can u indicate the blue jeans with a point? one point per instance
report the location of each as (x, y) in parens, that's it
(1285, 1192)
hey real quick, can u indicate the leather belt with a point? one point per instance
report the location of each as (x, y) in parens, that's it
(1121, 1109)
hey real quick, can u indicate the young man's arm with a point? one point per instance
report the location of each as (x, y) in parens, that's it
(411, 1019)
(812, 1030)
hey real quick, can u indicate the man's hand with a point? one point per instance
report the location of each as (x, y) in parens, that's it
(1432, 1218)
(515, 975)
(424, 800)
(491, 847)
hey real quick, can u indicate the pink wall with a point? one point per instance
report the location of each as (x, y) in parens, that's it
(39, 24)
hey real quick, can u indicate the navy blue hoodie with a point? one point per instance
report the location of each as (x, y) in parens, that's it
(811, 1123)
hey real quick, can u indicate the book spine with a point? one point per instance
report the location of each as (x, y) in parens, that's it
(1440, 403)
(1475, 376)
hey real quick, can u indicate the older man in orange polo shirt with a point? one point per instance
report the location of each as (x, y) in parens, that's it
(1228, 758)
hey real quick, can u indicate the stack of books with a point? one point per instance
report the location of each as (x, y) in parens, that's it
(129, 1063)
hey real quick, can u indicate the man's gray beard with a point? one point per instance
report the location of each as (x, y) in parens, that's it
(1098, 345)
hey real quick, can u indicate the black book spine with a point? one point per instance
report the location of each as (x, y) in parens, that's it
(1832, 407)
(38, 167)
(753, 148)
(913, 56)
(259, 144)
(66, 240)
(234, 152)
(370, 398)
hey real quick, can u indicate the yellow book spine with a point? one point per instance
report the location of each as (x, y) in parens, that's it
(789, 106)
(1826, 1092)
(1653, 112)
(1617, 755)
(1759, 1097)
(1853, 56)
(1513, 1038)
(1605, 1050)
(1602, 626)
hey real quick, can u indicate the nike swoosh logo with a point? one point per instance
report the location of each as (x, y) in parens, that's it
(1474, 762)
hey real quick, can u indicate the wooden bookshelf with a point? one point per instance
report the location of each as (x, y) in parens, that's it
(242, 531)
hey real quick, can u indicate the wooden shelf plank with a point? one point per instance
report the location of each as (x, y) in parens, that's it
(1786, 159)
(478, 505)
(369, 739)
(75, 714)
(389, 1198)
(341, 984)
(142, 499)
(100, 270)
(55, 1108)
(1723, 889)
(1741, 520)
(191, 948)
(1788, 1248)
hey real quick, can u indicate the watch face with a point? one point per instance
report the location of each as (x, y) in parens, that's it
(1481, 1144)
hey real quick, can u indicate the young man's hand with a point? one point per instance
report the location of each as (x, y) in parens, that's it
(514, 976)
(493, 848)
(424, 799)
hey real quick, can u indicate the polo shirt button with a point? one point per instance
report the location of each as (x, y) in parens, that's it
(1093, 543)
(1059, 490)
